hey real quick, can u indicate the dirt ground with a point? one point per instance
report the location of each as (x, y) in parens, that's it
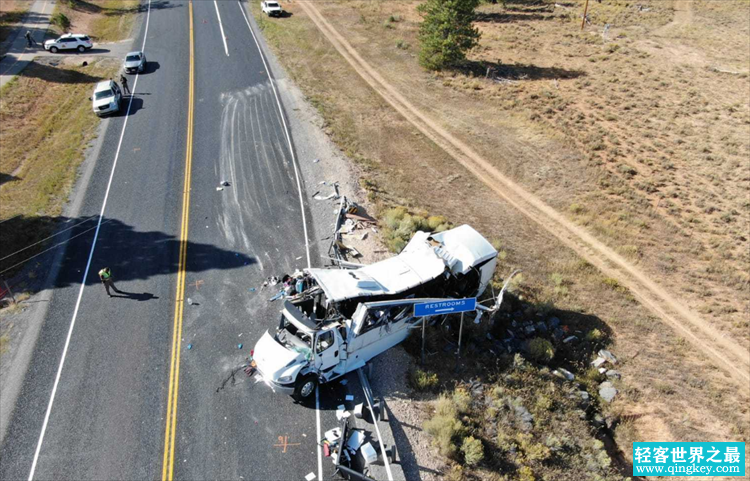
(637, 133)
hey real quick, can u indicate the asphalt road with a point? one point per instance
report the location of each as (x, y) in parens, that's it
(108, 416)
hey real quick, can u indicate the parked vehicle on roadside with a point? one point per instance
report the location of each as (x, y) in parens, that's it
(135, 62)
(106, 98)
(271, 8)
(69, 41)
(345, 317)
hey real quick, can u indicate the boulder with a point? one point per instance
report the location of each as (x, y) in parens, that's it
(607, 391)
(608, 356)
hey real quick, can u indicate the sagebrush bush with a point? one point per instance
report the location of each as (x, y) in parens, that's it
(423, 380)
(541, 350)
(399, 226)
(462, 400)
(473, 451)
(445, 406)
(444, 431)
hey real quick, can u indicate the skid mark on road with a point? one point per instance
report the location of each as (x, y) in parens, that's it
(255, 160)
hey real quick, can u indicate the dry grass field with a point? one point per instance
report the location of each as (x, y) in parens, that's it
(637, 129)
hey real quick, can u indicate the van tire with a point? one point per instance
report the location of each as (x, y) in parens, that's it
(305, 387)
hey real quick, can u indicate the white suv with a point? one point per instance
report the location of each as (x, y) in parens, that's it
(106, 98)
(69, 41)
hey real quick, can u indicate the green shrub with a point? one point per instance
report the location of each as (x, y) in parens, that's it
(455, 473)
(594, 335)
(462, 400)
(473, 451)
(423, 380)
(541, 350)
(526, 474)
(399, 226)
(444, 430)
(445, 407)
(60, 20)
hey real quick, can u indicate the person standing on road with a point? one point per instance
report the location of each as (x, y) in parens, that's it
(124, 82)
(106, 276)
(29, 39)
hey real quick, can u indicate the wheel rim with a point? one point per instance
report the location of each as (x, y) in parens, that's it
(307, 388)
(81, 49)
(54, 49)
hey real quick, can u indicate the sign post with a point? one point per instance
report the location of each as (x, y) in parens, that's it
(442, 307)
(460, 332)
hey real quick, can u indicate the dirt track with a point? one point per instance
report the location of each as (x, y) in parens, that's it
(727, 353)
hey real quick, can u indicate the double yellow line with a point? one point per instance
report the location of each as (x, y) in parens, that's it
(174, 368)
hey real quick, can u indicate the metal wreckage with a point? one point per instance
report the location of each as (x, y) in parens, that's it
(340, 318)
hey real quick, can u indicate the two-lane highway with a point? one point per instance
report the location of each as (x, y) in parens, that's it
(130, 400)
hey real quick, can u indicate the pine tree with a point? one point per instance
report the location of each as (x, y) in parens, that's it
(446, 32)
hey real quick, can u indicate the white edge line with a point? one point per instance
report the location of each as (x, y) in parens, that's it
(88, 266)
(223, 37)
(301, 205)
(286, 132)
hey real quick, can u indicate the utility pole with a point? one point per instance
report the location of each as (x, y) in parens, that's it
(585, 10)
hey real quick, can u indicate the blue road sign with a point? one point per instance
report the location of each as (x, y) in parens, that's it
(448, 306)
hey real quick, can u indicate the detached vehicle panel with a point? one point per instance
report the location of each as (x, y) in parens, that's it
(343, 318)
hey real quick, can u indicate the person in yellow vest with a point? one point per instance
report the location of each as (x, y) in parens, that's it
(106, 276)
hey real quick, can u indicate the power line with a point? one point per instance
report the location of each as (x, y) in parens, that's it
(46, 238)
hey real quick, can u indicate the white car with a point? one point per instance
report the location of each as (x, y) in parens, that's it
(272, 9)
(341, 318)
(135, 62)
(106, 99)
(69, 41)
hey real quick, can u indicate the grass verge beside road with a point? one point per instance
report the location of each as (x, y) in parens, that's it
(102, 20)
(46, 123)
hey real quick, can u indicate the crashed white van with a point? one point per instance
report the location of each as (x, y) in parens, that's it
(348, 316)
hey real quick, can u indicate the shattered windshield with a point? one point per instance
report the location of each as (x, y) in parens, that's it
(294, 339)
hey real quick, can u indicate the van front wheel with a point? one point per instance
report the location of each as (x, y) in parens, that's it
(305, 387)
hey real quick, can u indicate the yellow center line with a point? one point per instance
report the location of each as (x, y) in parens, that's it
(174, 367)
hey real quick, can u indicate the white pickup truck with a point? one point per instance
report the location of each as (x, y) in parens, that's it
(346, 317)
(272, 9)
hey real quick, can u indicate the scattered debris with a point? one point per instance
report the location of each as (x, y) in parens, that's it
(356, 438)
(225, 183)
(369, 453)
(349, 397)
(316, 161)
(189, 346)
(570, 339)
(220, 188)
(598, 361)
(310, 476)
(358, 409)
